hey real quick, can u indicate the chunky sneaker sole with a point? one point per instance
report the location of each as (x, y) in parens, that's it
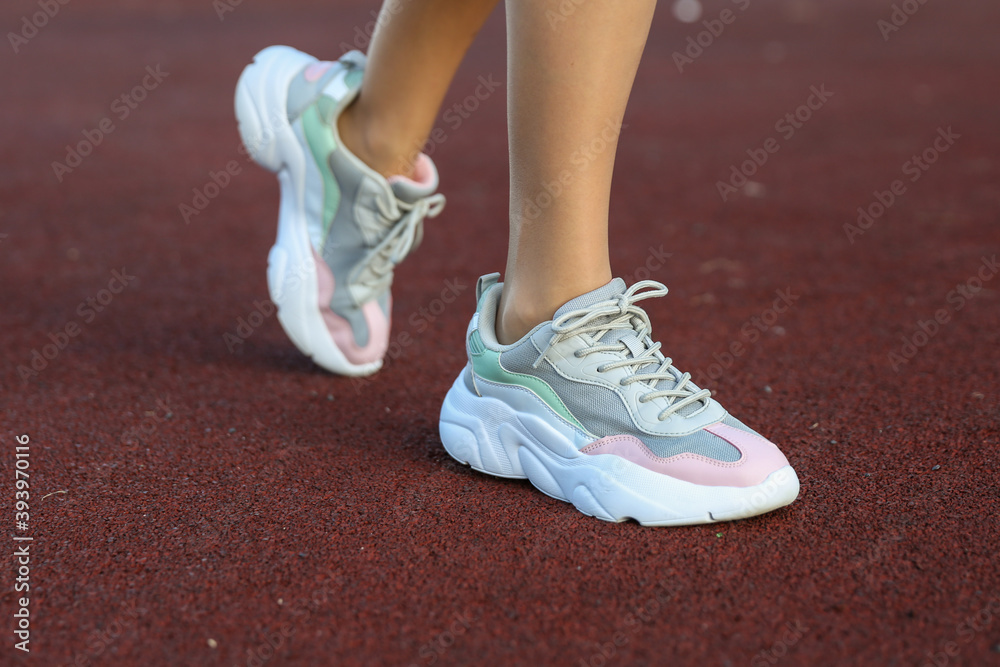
(292, 278)
(574, 436)
(341, 226)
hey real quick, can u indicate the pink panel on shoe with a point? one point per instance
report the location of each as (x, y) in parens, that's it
(340, 329)
(315, 72)
(423, 173)
(760, 458)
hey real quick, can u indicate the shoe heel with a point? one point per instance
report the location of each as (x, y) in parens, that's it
(488, 445)
(261, 104)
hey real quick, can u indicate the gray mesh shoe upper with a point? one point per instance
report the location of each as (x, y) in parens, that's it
(365, 224)
(593, 356)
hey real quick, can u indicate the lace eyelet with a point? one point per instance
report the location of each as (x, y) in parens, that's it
(578, 355)
(601, 369)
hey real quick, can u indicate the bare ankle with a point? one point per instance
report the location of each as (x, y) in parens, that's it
(514, 320)
(370, 147)
(522, 309)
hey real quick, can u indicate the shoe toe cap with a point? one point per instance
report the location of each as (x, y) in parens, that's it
(759, 458)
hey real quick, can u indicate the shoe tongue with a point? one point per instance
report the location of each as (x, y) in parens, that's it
(626, 337)
(606, 293)
(609, 292)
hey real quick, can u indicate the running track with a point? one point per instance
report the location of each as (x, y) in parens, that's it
(207, 502)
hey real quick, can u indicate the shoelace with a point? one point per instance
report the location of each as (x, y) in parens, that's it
(406, 219)
(622, 313)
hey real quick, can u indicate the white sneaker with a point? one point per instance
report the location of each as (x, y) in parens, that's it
(342, 227)
(586, 408)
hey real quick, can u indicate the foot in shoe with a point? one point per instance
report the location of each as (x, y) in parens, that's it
(342, 226)
(587, 408)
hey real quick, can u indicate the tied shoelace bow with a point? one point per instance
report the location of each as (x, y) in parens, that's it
(406, 219)
(622, 313)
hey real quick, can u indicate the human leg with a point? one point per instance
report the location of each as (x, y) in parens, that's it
(568, 84)
(416, 48)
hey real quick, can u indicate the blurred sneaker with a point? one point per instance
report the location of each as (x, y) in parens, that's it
(342, 227)
(587, 408)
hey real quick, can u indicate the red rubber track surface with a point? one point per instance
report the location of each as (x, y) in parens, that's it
(208, 503)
